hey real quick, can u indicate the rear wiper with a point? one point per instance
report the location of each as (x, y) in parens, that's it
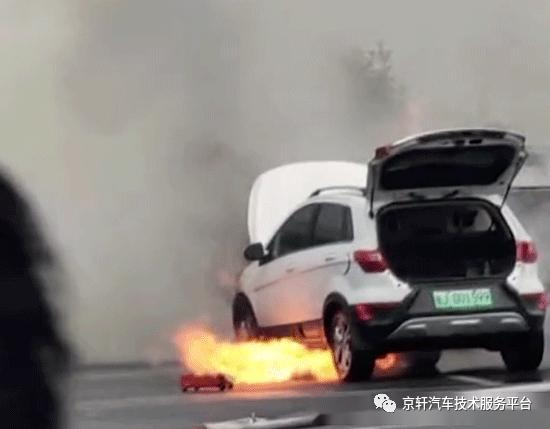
(450, 194)
(417, 196)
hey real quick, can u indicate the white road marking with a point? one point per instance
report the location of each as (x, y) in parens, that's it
(525, 387)
(470, 379)
(262, 423)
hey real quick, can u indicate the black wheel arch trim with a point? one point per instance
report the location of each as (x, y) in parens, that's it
(332, 299)
(240, 297)
(335, 298)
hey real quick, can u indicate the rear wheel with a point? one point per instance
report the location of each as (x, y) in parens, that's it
(244, 320)
(525, 354)
(351, 364)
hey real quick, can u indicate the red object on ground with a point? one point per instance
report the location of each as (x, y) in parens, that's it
(196, 382)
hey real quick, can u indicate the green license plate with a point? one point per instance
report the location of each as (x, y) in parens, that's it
(463, 299)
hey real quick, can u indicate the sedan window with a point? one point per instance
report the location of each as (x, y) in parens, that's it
(333, 225)
(296, 233)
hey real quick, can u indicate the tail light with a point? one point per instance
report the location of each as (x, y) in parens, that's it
(539, 298)
(371, 261)
(526, 252)
(366, 312)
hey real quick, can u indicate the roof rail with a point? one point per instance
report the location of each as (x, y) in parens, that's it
(531, 188)
(362, 191)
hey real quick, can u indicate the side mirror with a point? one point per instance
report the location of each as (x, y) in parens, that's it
(254, 252)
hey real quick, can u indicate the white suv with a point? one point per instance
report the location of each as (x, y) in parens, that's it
(426, 257)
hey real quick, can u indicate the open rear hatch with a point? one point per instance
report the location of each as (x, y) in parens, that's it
(436, 199)
(441, 165)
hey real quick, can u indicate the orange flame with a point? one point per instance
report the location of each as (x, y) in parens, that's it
(387, 362)
(252, 362)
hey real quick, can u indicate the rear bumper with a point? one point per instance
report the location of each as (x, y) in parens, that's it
(464, 325)
(417, 324)
(490, 330)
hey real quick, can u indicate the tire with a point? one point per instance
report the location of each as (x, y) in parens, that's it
(351, 364)
(525, 354)
(223, 387)
(196, 389)
(423, 362)
(184, 389)
(245, 325)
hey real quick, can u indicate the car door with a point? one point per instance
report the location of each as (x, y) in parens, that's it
(300, 292)
(283, 262)
(329, 257)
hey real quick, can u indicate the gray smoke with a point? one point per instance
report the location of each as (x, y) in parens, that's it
(139, 127)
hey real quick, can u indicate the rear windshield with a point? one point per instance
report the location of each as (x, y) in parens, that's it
(457, 166)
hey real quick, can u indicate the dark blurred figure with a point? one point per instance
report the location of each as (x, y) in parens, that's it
(33, 356)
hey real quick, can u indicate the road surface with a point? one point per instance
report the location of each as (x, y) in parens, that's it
(142, 398)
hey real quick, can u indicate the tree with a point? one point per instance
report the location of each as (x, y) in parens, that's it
(376, 94)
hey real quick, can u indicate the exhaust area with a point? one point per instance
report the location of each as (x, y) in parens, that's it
(252, 362)
(202, 352)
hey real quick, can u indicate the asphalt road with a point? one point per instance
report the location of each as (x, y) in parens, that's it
(142, 398)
